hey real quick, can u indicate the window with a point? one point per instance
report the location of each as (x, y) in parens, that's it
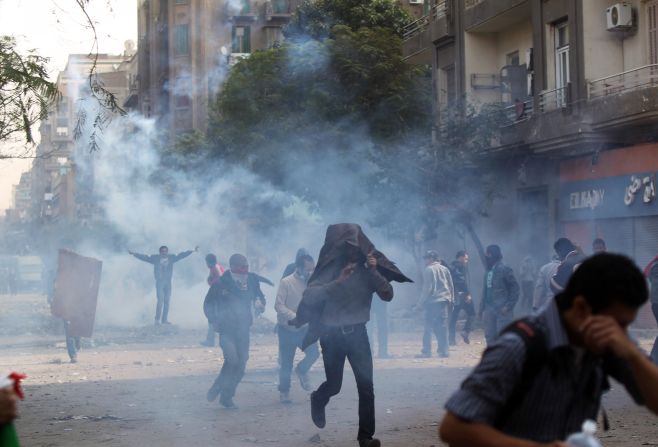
(652, 25)
(241, 39)
(513, 58)
(274, 36)
(182, 40)
(447, 87)
(182, 102)
(561, 31)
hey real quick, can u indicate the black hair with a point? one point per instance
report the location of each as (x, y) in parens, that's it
(301, 252)
(299, 262)
(495, 252)
(598, 241)
(460, 254)
(211, 259)
(431, 254)
(163, 247)
(605, 279)
(563, 247)
(237, 259)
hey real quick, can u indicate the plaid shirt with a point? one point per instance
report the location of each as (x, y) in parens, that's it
(566, 391)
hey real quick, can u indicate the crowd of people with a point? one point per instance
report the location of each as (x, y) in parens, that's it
(539, 378)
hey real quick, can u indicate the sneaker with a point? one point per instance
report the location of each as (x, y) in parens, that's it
(317, 412)
(423, 355)
(227, 402)
(444, 355)
(166, 322)
(74, 360)
(304, 380)
(369, 443)
(284, 398)
(465, 337)
(452, 342)
(207, 343)
(213, 393)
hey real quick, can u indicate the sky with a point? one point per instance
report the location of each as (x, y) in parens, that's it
(55, 29)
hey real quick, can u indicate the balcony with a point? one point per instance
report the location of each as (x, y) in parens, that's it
(557, 98)
(494, 15)
(420, 36)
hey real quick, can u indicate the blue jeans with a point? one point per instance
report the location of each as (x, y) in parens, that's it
(351, 343)
(495, 321)
(436, 321)
(72, 343)
(289, 341)
(163, 293)
(235, 347)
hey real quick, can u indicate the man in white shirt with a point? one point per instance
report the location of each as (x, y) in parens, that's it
(288, 297)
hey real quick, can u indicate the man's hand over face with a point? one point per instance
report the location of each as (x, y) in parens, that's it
(603, 334)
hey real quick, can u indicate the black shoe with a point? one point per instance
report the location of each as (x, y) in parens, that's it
(213, 393)
(369, 442)
(452, 342)
(317, 412)
(284, 398)
(227, 402)
(74, 360)
(465, 337)
(423, 355)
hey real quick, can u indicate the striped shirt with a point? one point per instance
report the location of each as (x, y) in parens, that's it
(565, 392)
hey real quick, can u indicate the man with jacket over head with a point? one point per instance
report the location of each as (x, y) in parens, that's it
(336, 304)
(228, 307)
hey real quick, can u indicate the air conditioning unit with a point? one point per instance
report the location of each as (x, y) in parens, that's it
(620, 17)
(416, 2)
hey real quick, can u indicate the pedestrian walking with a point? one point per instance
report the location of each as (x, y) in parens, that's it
(527, 278)
(228, 308)
(501, 292)
(599, 246)
(463, 299)
(290, 268)
(163, 269)
(288, 297)
(539, 381)
(336, 305)
(543, 292)
(436, 299)
(215, 272)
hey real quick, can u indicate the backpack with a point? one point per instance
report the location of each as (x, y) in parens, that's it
(537, 357)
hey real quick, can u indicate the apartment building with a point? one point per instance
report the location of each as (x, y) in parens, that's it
(58, 192)
(186, 46)
(579, 83)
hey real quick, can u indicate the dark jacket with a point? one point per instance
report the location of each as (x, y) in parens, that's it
(459, 281)
(163, 267)
(228, 307)
(653, 281)
(504, 290)
(323, 286)
(564, 271)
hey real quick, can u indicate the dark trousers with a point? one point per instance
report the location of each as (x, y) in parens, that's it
(525, 303)
(654, 351)
(495, 321)
(436, 321)
(72, 343)
(163, 292)
(469, 309)
(210, 336)
(235, 346)
(351, 343)
(289, 341)
(380, 311)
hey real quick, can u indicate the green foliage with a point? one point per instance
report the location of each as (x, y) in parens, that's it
(317, 18)
(25, 92)
(307, 95)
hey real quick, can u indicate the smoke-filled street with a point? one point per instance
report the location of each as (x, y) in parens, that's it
(136, 387)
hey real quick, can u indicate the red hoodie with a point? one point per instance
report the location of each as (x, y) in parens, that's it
(216, 272)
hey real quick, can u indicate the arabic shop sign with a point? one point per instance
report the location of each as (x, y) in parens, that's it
(610, 197)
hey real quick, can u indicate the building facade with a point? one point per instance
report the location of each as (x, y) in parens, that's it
(186, 47)
(578, 83)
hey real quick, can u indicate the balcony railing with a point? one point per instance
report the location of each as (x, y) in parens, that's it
(557, 98)
(519, 112)
(439, 10)
(635, 79)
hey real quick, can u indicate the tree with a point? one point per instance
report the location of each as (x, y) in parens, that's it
(25, 92)
(345, 91)
(317, 18)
